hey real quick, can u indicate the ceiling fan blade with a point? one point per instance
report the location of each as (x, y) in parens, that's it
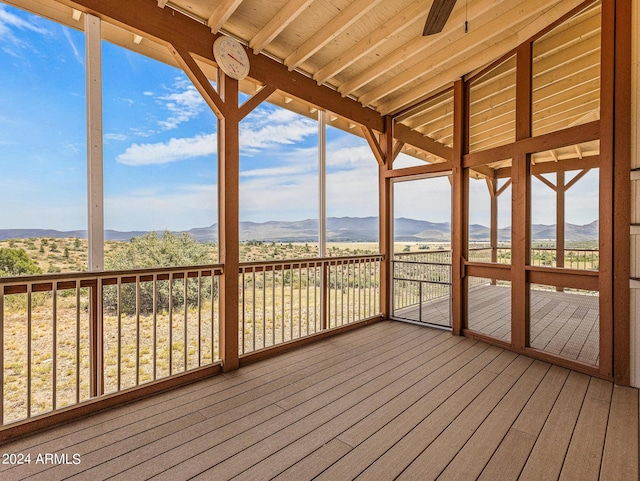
(438, 16)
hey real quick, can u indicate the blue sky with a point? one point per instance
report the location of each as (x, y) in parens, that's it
(160, 159)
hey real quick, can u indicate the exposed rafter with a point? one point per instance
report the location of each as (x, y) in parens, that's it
(480, 55)
(369, 43)
(374, 52)
(335, 27)
(222, 13)
(415, 47)
(278, 23)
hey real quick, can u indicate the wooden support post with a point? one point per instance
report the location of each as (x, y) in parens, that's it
(96, 343)
(94, 143)
(322, 216)
(561, 191)
(622, 195)
(521, 210)
(460, 220)
(492, 185)
(615, 196)
(229, 230)
(494, 220)
(95, 198)
(386, 220)
(224, 104)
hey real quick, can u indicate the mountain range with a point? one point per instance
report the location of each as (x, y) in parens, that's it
(339, 229)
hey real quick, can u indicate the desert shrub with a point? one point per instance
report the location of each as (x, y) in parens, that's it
(151, 251)
(16, 262)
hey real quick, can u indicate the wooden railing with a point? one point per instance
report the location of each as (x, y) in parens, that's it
(582, 259)
(421, 277)
(286, 300)
(70, 339)
(74, 337)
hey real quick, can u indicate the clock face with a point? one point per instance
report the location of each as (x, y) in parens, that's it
(231, 57)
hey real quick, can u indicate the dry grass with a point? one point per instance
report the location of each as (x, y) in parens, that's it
(141, 348)
(59, 364)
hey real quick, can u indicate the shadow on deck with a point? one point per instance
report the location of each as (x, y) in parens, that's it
(387, 401)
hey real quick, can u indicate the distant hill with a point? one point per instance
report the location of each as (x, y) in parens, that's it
(339, 229)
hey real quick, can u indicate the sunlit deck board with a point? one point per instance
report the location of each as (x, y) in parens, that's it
(561, 323)
(387, 400)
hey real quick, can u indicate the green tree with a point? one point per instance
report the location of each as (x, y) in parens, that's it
(151, 251)
(16, 262)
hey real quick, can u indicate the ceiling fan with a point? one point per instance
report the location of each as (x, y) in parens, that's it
(438, 16)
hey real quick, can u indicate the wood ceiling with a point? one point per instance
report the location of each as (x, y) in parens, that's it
(373, 51)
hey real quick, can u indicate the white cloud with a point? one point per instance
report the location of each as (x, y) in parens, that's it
(184, 103)
(347, 158)
(76, 53)
(115, 137)
(266, 128)
(172, 151)
(9, 22)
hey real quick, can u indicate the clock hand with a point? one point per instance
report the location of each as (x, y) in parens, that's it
(235, 59)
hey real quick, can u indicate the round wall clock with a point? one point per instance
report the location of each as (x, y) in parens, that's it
(231, 57)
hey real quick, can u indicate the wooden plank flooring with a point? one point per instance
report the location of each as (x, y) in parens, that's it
(387, 401)
(562, 323)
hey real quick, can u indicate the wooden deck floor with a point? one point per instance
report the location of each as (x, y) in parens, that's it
(388, 401)
(562, 323)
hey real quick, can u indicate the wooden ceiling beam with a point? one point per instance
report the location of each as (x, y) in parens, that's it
(221, 14)
(278, 23)
(566, 165)
(260, 96)
(424, 107)
(426, 169)
(167, 28)
(411, 137)
(542, 143)
(478, 56)
(485, 171)
(427, 125)
(374, 144)
(200, 81)
(347, 17)
(414, 12)
(544, 167)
